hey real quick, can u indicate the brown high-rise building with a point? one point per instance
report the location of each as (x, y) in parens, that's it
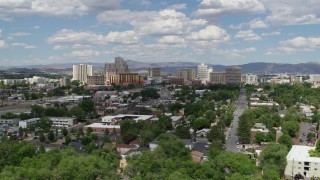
(218, 77)
(96, 80)
(186, 74)
(154, 72)
(233, 75)
(127, 78)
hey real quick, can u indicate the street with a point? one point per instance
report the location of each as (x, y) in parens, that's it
(304, 129)
(232, 138)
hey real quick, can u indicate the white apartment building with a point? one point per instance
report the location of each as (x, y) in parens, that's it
(300, 162)
(28, 122)
(81, 71)
(62, 121)
(202, 72)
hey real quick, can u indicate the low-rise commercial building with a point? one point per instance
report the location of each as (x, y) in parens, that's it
(28, 122)
(62, 121)
(118, 118)
(102, 127)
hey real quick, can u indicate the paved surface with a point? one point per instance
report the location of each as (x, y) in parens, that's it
(20, 107)
(232, 138)
(304, 129)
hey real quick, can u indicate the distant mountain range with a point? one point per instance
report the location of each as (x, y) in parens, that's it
(171, 67)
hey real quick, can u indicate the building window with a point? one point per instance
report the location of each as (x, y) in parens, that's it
(299, 163)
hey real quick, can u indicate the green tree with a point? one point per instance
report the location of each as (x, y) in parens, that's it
(44, 124)
(65, 131)
(285, 139)
(274, 154)
(42, 138)
(183, 132)
(67, 139)
(165, 122)
(87, 105)
(216, 134)
(290, 127)
(37, 111)
(78, 113)
(51, 136)
(260, 137)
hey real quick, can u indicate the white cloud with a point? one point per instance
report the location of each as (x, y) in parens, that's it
(85, 53)
(302, 42)
(19, 34)
(36, 27)
(257, 23)
(248, 35)
(171, 40)
(59, 47)
(3, 44)
(23, 45)
(54, 8)
(293, 12)
(178, 6)
(220, 7)
(274, 33)
(297, 44)
(235, 52)
(126, 37)
(123, 16)
(77, 37)
(164, 22)
(210, 33)
(81, 46)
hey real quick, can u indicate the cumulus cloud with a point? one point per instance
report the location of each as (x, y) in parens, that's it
(3, 44)
(171, 40)
(55, 8)
(235, 52)
(248, 35)
(126, 37)
(19, 34)
(302, 42)
(23, 45)
(77, 37)
(85, 53)
(164, 22)
(210, 33)
(257, 23)
(274, 33)
(296, 44)
(295, 12)
(220, 7)
(178, 6)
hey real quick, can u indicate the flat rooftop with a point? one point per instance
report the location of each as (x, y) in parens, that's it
(101, 125)
(301, 153)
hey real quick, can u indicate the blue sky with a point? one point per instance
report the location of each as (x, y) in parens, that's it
(227, 32)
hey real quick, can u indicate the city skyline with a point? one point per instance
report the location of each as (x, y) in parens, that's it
(208, 31)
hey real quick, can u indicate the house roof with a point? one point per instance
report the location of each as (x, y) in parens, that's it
(128, 146)
(197, 153)
(301, 153)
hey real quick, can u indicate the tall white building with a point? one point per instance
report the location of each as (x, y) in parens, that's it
(81, 71)
(300, 162)
(203, 72)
